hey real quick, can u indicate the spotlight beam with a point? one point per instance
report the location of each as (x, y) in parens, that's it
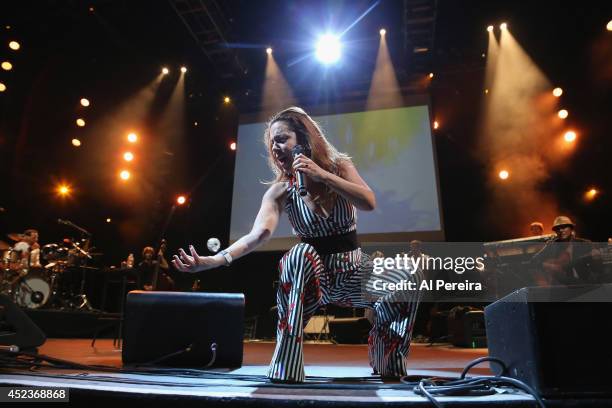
(365, 13)
(299, 59)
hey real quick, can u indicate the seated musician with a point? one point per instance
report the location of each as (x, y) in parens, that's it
(567, 259)
(148, 267)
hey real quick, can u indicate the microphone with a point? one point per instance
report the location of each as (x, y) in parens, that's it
(299, 176)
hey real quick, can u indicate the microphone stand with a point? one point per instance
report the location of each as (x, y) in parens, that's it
(76, 227)
(84, 302)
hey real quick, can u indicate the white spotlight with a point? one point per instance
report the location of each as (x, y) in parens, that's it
(503, 26)
(328, 49)
(183, 69)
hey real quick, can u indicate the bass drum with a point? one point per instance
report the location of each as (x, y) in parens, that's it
(34, 290)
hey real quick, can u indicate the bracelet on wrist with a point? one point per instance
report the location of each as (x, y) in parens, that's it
(226, 255)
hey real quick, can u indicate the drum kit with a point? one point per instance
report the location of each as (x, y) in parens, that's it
(47, 277)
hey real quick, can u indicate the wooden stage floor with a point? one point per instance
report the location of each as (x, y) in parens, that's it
(352, 360)
(337, 375)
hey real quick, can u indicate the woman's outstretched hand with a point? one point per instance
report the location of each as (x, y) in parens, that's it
(194, 262)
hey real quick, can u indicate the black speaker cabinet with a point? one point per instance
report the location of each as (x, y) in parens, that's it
(16, 328)
(555, 339)
(178, 329)
(349, 330)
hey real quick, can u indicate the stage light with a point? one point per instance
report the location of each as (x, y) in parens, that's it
(227, 99)
(569, 136)
(76, 142)
(63, 190)
(486, 91)
(504, 174)
(431, 75)
(328, 49)
(563, 113)
(382, 32)
(165, 71)
(2, 87)
(557, 92)
(490, 28)
(269, 51)
(84, 102)
(183, 69)
(91, 9)
(108, 220)
(80, 122)
(233, 145)
(180, 200)
(128, 156)
(436, 124)
(125, 175)
(503, 26)
(592, 193)
(14, 45)
(195, 123)
(132, 137)
(7, 66)
(609, 25)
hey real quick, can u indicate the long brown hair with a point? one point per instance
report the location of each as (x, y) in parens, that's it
(310, 136)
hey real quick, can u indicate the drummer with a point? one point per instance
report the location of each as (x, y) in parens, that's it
(29, 249)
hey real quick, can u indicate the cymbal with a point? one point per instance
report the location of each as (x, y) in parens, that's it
(4, 246)
(15, 236)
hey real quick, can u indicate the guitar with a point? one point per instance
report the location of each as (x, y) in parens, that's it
(568, 268)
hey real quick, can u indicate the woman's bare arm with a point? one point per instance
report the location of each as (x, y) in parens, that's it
(264, 226)
(348, 183)
(351, 186)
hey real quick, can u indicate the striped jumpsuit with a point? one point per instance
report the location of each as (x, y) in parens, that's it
(309, 280)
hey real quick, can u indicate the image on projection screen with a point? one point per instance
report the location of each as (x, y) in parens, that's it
(393, 152)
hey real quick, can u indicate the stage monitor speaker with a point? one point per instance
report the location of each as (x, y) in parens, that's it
(180, 329)
(559, 347)
(16, 328)
(349, 330)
